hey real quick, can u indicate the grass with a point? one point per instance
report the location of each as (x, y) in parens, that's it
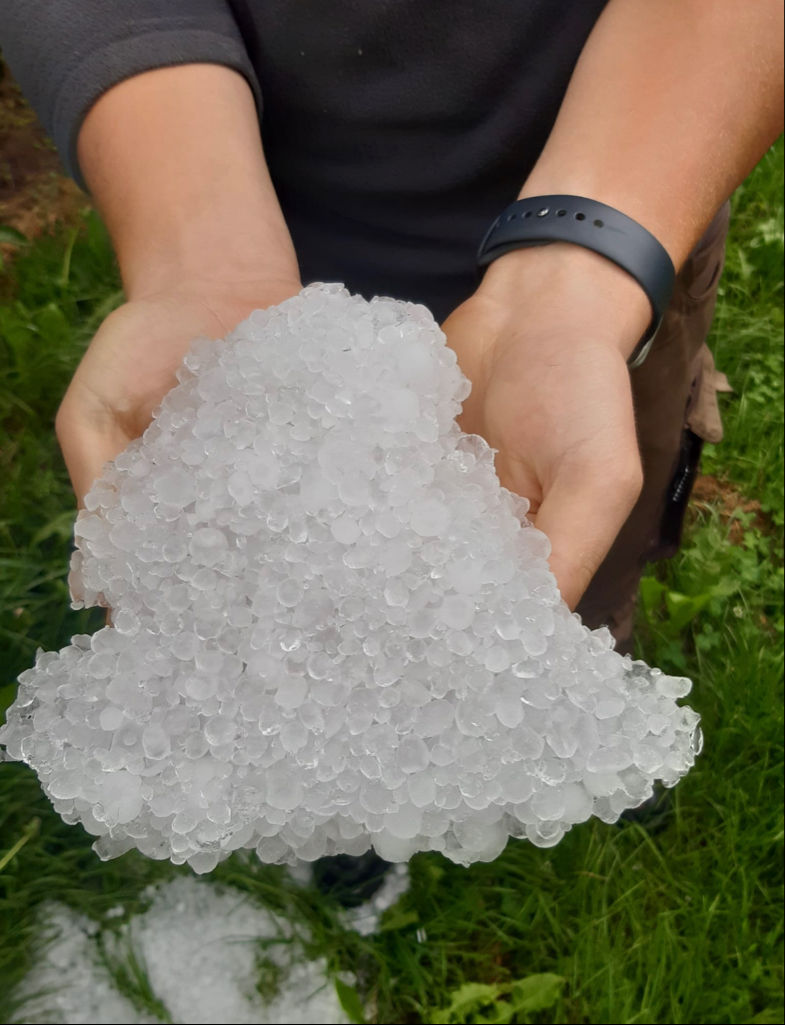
(613, 925)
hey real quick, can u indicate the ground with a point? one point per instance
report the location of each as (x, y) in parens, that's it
(721, 494)
(35, 193)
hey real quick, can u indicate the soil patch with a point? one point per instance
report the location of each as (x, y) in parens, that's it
(709, 491)
(35, 193)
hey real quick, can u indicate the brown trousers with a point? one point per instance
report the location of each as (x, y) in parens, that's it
(675, 397)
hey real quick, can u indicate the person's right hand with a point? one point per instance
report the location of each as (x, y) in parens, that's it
(132, 361)
(173, 158)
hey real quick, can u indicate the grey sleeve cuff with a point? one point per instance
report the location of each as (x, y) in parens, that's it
(127, 57)
(66, 53)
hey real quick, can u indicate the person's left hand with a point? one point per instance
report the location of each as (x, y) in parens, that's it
(544, 342)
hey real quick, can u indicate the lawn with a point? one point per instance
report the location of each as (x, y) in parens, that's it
(615, 924)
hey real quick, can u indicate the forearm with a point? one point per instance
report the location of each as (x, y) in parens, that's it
(174, 160)
(670, 106)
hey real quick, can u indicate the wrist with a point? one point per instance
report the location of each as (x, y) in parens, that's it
(215, 267)
(231, 243)
(215, 307)
(566, 288)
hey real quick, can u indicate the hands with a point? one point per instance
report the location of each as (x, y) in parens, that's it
(131, 364)
(544, 341)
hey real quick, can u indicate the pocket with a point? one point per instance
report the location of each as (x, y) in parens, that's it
(703, 413)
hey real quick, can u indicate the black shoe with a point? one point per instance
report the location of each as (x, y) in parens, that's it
(350, 880)
(655, 812)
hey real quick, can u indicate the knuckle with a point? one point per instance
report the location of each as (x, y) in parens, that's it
(630, 480)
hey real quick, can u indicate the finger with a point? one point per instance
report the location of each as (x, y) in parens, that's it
(582, 520)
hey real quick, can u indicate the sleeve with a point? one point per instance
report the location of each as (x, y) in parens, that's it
(66, 53)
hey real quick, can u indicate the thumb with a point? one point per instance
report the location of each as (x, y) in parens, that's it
(582, 519)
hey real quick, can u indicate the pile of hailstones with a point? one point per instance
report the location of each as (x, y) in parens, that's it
(332, 628)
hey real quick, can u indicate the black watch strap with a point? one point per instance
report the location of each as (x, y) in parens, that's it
(585, 222)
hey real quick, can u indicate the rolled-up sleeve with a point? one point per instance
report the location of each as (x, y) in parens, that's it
(66, 53)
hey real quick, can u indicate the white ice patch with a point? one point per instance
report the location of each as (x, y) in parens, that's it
(198, 946)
